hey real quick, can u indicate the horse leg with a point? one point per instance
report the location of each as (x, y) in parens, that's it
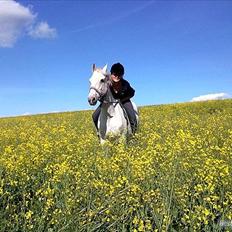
(102, 141)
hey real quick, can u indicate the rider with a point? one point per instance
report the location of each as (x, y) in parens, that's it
(121, 90)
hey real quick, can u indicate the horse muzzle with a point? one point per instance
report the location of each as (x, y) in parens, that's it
(92, 101)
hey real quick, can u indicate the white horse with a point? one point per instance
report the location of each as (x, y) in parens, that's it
(113, 119)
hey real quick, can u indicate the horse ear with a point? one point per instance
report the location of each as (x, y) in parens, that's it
(105, 69)
(93, 67)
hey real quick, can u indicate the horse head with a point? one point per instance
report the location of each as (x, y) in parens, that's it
(98, 84)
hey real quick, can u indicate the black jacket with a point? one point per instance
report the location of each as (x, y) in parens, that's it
(126, 91)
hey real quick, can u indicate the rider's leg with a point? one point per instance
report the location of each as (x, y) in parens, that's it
(96, 115)
(131, 115)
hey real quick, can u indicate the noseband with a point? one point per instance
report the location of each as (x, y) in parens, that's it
(100, 94)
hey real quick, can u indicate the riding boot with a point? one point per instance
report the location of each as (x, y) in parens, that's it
(131, 115)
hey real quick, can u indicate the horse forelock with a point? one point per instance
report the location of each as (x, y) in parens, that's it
(100, 70)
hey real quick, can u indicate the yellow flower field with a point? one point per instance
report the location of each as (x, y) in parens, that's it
(174, 175)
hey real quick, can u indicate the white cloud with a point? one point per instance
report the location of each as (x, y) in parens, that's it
(26, 113)
(42, 30)
(17, 20)
(14, 20)
(212, 96)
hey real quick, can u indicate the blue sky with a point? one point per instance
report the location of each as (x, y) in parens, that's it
(172, 51)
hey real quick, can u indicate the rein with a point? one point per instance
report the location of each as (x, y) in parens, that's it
(110, 102)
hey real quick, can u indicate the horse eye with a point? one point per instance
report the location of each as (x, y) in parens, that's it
(102, 80)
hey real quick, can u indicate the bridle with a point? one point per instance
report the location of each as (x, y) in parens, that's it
(102, 96)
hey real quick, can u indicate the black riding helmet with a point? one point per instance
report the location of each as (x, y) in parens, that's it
(117, 69)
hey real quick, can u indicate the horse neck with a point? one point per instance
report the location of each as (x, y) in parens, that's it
(112, 107)
(109, 96)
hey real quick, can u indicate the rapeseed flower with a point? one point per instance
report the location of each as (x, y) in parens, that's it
(175, 174)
